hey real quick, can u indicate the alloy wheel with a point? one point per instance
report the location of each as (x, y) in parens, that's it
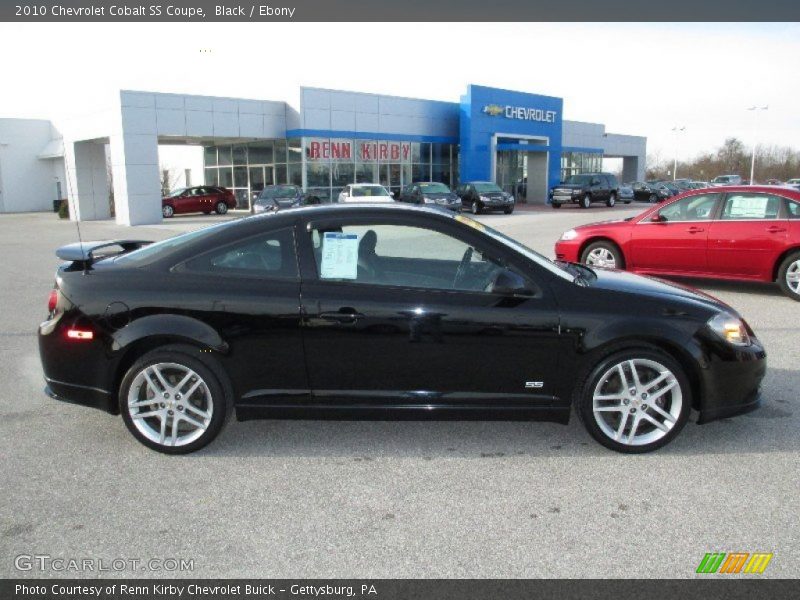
(222, 208)
(170, 404)
(793, 277)
(601, 257)
(637, 402)
(167, 211)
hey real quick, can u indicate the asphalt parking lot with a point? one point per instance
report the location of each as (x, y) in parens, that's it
(388, 499)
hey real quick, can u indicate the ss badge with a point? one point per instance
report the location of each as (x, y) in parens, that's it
(535, 385)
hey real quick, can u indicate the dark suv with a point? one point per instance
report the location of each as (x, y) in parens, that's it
(586, 188)
(275, 197)
(432, 193)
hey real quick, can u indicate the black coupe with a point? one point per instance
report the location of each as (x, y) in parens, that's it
(369, 311)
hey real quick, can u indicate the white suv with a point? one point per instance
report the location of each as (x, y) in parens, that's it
(365, 192)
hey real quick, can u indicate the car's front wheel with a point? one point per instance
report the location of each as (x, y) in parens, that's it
(603, 254)
(635, 400)
(586, 201)
(167, 211)
(612, 200)
(653, 199)
(789, 276)
(172, 401)
(221, 208)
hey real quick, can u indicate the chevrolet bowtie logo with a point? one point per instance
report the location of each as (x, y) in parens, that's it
(493, 110)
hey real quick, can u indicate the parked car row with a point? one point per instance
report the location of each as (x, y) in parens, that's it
(747, 233)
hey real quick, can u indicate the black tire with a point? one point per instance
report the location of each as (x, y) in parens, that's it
(586, 201)
(219, 395)
(611, 247)
(792, 261)
(221, 208)
(312, 201)
(612, 200)
(627, 201)
(167, 211)
(652, 199)
(476, 207)
(583, 397)
(508, 210)
(206, 212)
(556, 205)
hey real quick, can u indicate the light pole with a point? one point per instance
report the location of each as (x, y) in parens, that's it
(676, 130)
(755, 110)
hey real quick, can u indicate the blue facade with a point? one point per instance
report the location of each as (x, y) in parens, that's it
(493, 119)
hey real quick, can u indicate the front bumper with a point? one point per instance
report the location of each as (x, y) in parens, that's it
(730, 379)
(568, 250)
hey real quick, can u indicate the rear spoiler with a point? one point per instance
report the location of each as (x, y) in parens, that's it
(84, 252)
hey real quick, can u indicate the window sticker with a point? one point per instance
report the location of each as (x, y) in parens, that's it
(748, 207)
(339, 256)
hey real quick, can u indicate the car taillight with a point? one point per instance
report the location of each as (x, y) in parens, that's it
(52, 300)
(80, 334)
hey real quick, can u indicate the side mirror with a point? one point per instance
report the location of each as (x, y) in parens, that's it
(658, 218)
(508, 283)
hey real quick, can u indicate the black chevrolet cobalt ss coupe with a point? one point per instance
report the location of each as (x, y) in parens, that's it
(383, 312)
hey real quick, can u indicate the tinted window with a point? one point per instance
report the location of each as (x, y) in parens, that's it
(266, 255)
(793, 209)
(751, 206)
(401, 255)
(693, 208)
(487, 187)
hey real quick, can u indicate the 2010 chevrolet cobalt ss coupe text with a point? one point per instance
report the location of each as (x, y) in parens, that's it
(369, 311)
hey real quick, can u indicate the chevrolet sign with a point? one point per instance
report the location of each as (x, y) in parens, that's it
(521, 113)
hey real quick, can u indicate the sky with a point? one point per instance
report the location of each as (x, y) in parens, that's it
(638, 79)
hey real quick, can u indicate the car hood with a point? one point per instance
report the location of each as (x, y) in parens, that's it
(653, 287)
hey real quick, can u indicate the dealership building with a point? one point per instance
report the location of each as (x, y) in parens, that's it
(326, 140)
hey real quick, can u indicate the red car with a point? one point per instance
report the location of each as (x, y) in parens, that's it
(205, 199)
(734, 232)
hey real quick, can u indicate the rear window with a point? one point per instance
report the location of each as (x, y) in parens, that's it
(151, 252)
(793, 209)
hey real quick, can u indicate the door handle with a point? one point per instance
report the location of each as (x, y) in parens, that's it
(342, 316)
(776, 229)
(695, 230)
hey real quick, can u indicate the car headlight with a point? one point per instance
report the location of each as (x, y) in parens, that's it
(428, 200)
(484, 199)
(570, 234)
(729, 328)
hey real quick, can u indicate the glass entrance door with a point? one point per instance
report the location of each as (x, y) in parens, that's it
(510, 170)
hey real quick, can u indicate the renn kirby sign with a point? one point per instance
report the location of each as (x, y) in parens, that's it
(367, 151)
(520, 112)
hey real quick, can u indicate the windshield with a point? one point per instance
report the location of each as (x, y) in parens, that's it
(278, 191)
(515, 245)
(150, 251)
(434, 188)
(369, 190)
(579, 179)
(177, 192)
(486, 187)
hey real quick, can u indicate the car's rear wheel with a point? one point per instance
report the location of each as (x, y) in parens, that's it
(603, 254)
(476, 207)
(172, 401)
(612, 200)
(635, 400)
(221, 208)
(653, 199)
(586, 201)
(508, 210)
(556, 205)
(167, 211)
(789, 276)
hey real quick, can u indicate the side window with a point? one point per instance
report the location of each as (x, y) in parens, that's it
(405, 256)
(693, 208)
(266, 255)
(793, 209)
(751, 206)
